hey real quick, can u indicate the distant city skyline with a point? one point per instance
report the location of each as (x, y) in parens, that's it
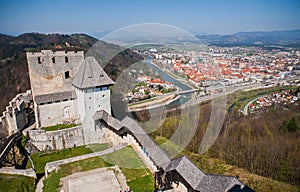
(196, 17)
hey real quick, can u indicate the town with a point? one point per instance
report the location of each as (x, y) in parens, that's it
(147, 88)
(276, 99)
(228, 65)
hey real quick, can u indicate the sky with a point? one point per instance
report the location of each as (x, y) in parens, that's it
(194, 16)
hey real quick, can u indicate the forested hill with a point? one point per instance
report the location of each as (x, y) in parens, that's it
(284, 38)
(13, 66)
(11, 46)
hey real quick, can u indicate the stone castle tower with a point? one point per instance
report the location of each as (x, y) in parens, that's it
(67, 88)
(92, 87)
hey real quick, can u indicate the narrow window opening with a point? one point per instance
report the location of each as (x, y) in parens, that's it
(67, 75)
(39, 60)
(53, 59)
(66, 60)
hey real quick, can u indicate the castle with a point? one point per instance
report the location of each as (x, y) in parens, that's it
(68, 88)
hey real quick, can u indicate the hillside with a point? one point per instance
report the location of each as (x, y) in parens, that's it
(257, 143)
(285, 38)
(13, 67)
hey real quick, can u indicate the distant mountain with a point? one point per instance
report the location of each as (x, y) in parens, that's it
(290, 38)
(11, 46)
(14, 77)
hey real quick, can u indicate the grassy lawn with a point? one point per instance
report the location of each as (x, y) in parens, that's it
(59, 127)
(16, 183)
(41, 158)
(137, 175)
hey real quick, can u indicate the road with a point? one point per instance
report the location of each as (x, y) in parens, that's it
(247, 105)
(229, 90)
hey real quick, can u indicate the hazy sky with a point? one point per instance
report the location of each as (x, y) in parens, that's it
(195, 16)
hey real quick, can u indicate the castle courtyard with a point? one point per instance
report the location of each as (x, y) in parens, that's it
(103, 179)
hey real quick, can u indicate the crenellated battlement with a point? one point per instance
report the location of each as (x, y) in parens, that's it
(55, 53)
(55, 69)
(46, 57)
(14, 117)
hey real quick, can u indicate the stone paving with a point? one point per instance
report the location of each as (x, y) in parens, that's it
(103, 179)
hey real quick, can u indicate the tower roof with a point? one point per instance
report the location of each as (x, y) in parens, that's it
(91, 74)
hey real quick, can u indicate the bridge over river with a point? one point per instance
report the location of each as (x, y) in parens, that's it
(184, 89)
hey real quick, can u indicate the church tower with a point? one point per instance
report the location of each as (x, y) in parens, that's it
(92, 87)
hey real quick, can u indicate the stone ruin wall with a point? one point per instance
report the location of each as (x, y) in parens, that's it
(52, 72)
(68, 138)
(56, 140)
(14, 118)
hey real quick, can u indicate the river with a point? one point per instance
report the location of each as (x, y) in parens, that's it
(177, 83)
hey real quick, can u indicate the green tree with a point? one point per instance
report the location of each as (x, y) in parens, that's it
(147, 92)
(284, 125)
(293, 125)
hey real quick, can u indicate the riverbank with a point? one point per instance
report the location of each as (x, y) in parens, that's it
(173, 76)
(168, 77)
(156, 102)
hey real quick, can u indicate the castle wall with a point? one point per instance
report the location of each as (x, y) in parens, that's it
(57, 113)
(20, 116)
(11, 170)
(98, 136)
(67, 138)
(14, 117)
(56, 140)
(52, 72)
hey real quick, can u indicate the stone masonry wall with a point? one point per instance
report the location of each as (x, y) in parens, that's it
(57, 113)
(52, 72)
(14, 117)
(56, 140)
(67, 138)
(11, 170)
